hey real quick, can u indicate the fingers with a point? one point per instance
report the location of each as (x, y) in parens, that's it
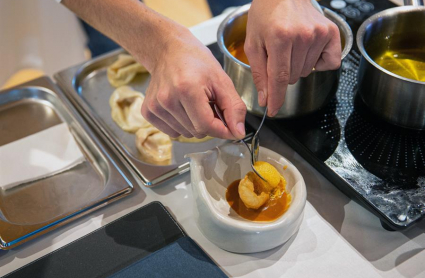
(302, 43)
(154, 109)
(313, 55)
(331, 54)
(258, 61)
(187, 111)
(233, 108)
(172, 122)
(201, 115)
(157, 122)
(279, 73)
(176, 113)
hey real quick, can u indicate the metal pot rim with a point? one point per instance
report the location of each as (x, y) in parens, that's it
(220, 39)
(371, 20)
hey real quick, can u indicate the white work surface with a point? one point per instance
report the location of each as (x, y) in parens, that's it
(338, 238)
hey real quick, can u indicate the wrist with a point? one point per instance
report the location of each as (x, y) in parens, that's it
(159, 36)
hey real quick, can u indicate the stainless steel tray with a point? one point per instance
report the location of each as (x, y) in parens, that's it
(88, 88)
(35, 208)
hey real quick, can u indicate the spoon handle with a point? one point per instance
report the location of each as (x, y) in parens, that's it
(218, 112)
(416, 3)
(252, 162)
(255, 143)
(221, 117)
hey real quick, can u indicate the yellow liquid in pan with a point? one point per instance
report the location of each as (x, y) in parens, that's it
(408, 63)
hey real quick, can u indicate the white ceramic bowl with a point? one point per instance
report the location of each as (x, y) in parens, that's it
(213, 171)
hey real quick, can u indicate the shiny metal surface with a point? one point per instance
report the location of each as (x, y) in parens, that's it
(255, 143)
(377, 163)
(252, 160)
(34, 208)
(88, 89)
(396, 99)
(218, 112)
(414, 2)
(304, 97)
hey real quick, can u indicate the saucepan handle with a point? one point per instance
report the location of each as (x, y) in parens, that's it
(414, 3)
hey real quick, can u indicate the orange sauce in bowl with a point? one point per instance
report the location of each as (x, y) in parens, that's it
(270, 211)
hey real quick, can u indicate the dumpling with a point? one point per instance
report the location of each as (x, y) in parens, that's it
(154, 146)
(183, 139)
(123, 70)
(126, 109)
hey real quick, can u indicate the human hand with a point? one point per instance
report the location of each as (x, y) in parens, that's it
(185, 76)
(183, 82)
(285, 40)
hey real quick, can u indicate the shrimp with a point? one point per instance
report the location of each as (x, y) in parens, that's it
(247, 193)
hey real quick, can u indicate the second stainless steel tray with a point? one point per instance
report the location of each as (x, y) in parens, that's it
(88, 88)
(34, 208)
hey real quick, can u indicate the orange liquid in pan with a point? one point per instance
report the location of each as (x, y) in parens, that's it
(237, 51)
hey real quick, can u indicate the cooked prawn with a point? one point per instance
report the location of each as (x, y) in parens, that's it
(248, 195)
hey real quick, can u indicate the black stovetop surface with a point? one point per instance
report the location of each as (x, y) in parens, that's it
(378, 164)
(381, 165)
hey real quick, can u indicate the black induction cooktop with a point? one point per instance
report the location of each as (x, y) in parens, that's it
(379, 164)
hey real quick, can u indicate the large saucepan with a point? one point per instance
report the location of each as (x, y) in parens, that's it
(398, 100)
(308, 95)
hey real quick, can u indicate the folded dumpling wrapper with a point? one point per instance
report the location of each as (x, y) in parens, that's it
(126, 109)
(183, 139)
(38, 156)
(154, 146)
(123, 70)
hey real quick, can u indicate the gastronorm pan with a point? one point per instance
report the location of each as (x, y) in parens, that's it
(34, 208)
(88, 88)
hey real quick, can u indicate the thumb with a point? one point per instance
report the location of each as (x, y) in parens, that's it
(258, 61)
(234, 109)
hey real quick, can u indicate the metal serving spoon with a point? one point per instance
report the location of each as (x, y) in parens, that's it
(255, 144)
(252, 161)
(218, 112)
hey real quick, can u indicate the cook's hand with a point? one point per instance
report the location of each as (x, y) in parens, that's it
(185, 75)
(285, 40)
(183, 82)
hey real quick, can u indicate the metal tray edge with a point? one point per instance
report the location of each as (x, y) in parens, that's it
(46, 82)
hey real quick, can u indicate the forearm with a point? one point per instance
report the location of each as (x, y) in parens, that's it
(140, 30)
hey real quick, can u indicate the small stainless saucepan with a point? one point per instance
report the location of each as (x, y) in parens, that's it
(396, 99)
(308, 95)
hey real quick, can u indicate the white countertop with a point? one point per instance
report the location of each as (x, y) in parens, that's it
(338, 238)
